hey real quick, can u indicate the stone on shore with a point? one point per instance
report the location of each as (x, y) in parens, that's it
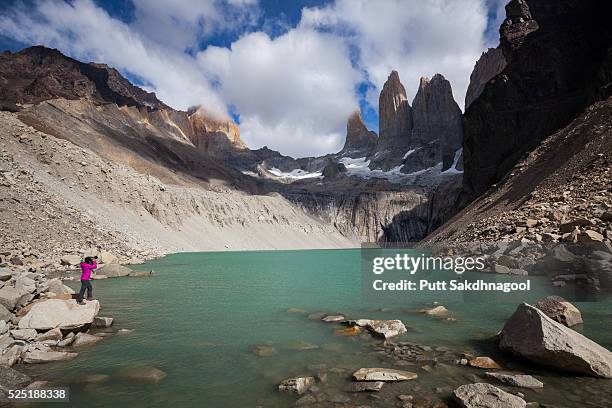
(11, 379)
(40, 356)
(365, 386)
(5, 274)
(383, 374)
(56, 286)
(102, 322)
(64, 314)
(482, 395)
(70, 260)
(517, 380)
(11, 297)
(113, 270)
(483, 362)
(145, 374)
(85, 339)
(53, 334)
(536, 337)
(10, 355)
(297, 385)
(560, 310)
(24, 334)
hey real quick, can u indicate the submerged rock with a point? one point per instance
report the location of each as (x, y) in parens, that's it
(146, 374)
(264, 351)
(84, 339)
(383, 374)
(482, 395)
(517, 380)
(536, 337)
(365, 386)
(297, 385)
(40, 356)
(560, 310)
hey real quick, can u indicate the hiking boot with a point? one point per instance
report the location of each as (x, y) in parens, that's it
(90, 299)
(80, 302)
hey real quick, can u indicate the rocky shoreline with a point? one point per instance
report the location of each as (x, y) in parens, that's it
(539, 336)
(41, 321)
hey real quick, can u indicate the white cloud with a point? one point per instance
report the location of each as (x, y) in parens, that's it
(182, 24)
(87, 32)
(416, 38)
(293, 92)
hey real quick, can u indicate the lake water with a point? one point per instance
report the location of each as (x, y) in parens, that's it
(202, 314)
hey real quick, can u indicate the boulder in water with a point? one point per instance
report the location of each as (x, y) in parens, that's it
(482, 395)
(113, 270)
(560, 310)
(297, 385)
(333, 318)
(386, 328)
(84, 339)
(517, 380)
(365, 386)
(383, 374)
(483, 362)
(102, 322)
(536, 337)
(10, 378)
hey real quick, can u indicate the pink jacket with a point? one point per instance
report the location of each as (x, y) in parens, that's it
(87, 269)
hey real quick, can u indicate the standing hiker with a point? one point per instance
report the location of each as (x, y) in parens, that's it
(87, 267)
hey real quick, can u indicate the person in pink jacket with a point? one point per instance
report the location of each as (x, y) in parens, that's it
(87, 267)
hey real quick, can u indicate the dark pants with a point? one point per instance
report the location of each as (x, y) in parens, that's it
(85, 285)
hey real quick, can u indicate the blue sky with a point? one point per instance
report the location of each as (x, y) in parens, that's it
(290, 72)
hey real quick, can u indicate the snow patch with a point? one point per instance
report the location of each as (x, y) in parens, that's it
(295, 174)
(453, 168)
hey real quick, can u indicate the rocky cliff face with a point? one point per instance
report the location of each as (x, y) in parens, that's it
(559, 62)
(358, 137)
(438, 122)
(217, 137)
(395, 114)
(38, 73)
(489, 65)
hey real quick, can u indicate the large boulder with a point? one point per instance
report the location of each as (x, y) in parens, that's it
(25, 284)
(482, 395)
(64, 314)
(56, 286)
(113, 270)
(70, 260)
(560, 310)
(536, 337)
(11, 297)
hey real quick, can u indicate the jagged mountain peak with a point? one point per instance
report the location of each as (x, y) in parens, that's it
(395, 116)
(357, 134)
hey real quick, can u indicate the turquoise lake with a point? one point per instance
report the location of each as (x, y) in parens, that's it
(200, 317)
